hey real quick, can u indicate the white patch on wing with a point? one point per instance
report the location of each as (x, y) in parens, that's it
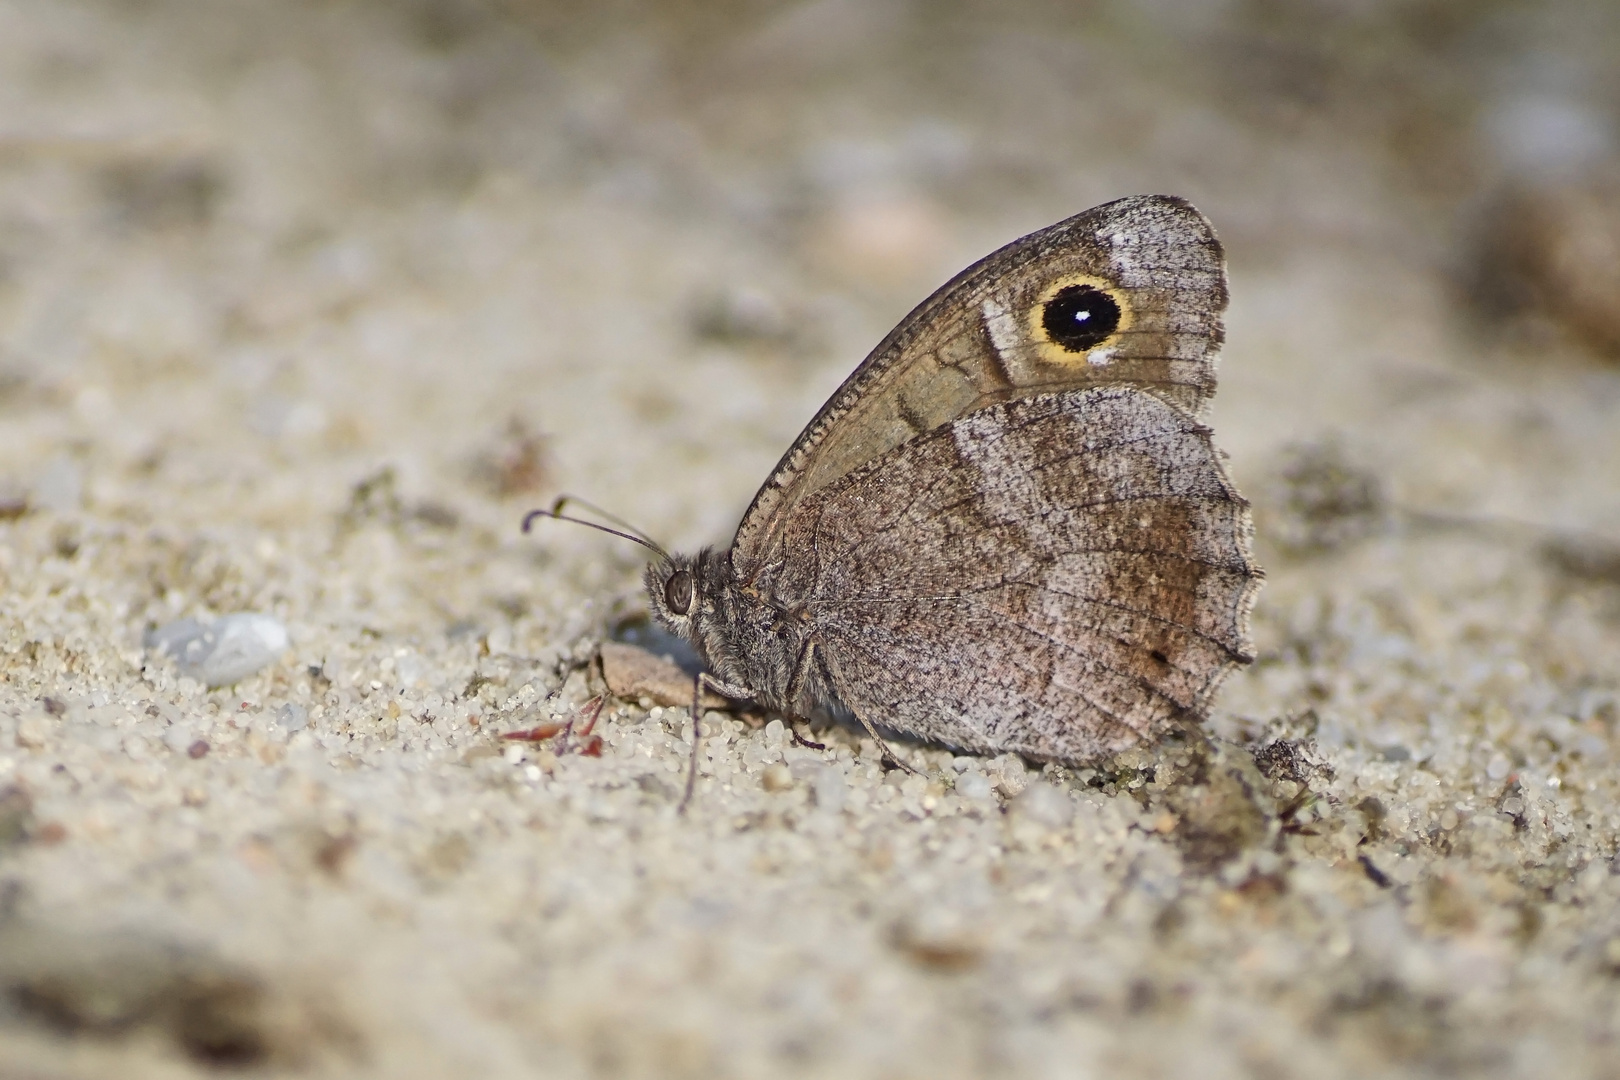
(1100, 357)
(1003, 329)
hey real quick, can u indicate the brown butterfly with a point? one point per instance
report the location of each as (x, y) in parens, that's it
(1007, 530)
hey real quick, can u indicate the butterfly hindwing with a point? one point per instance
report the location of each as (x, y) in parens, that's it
(1060, 576)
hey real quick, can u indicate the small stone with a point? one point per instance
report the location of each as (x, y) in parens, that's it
(514, 754)
(829, 789)
(34, 730)
(776, 777)
(224, 651)
(1044, 805)
(50, 834)
(974, 785)
(293, 717)
(197, 750)
(179, 737)
(1013, 774)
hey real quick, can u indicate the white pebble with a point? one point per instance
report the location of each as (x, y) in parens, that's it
(293, 717)
(179, 737)
(34, 730)
(138, 748)
(829, 788)
(973, 785)
(1045, 804)
(224, 651)
(1013, 774)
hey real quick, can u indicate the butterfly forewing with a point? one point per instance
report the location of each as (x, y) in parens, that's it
(1126, 294)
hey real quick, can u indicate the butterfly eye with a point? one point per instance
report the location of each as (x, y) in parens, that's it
(678, 592)
(1080, 317)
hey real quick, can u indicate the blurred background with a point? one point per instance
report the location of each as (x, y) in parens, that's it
(508, 247)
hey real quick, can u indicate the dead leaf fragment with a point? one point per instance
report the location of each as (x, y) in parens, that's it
(633, 673)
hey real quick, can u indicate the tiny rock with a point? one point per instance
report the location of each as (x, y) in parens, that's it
(34, 730)
(1044, 805)
(224, 651)
(776, 777)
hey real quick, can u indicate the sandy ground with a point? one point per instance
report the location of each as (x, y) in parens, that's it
(302, 305)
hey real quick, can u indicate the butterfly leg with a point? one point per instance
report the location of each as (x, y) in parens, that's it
(888, 751)
(725, 689)
(801, 675)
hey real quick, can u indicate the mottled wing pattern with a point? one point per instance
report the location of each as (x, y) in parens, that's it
(979, 341)
(1084, 554)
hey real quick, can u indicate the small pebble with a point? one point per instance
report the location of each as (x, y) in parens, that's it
(293, 717)
(776, 777)
(973, 785)
(33, 731)
(224, 651)
(179, 737)
(1013, 774)
(1045, 805)
(829, 788)
(51, 833)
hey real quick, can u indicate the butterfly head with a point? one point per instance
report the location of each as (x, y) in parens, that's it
(675, 592)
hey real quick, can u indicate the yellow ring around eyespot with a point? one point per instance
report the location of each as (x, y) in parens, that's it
(1053, 353)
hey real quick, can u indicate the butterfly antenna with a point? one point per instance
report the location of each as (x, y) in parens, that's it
(611, 518)
(628, 532)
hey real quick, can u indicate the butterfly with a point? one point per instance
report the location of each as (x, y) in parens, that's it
(1008, 529)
